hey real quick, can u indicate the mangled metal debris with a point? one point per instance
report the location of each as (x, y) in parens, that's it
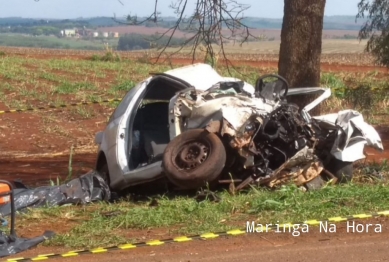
(301, 169)
(271, 141)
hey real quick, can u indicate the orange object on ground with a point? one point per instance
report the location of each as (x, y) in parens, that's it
(4, 188)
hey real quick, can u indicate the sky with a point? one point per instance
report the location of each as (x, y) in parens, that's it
(88, 8)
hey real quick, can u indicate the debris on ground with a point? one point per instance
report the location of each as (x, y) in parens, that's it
(301, 169)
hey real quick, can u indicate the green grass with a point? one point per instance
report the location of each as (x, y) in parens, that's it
(68, 88)
(335, 83)
(107, 57)
(183, 215)
(84, 112)
(36, 80)
(124, 86)
(30, 81)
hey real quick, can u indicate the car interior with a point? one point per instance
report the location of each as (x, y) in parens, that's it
(151, 122)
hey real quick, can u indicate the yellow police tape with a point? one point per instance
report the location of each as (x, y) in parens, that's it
(59, 106)
(235, 232)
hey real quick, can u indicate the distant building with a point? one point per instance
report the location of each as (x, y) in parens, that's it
(69, 32)
(83, 32)
(105, 34)
(95, 34)
(115, 34)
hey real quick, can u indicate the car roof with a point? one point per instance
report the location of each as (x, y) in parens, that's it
(201, 76)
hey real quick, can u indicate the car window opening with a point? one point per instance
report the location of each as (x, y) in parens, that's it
(150, 129)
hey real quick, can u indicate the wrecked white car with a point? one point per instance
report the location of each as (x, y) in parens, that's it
(196, 128)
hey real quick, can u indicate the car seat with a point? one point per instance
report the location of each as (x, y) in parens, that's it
(154, 129)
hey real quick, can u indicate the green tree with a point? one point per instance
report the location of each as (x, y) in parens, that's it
(37, 31)
(376, 28)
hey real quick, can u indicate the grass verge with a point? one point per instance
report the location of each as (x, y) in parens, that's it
(102, 224)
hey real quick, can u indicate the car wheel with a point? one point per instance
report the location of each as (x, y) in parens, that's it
(194, 158)
(341, 170)
(103, 172)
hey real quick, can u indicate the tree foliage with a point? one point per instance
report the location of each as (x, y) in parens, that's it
(137, 41)
(376, 28)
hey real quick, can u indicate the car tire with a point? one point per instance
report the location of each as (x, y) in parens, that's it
(194, 158)
(343, 171)
(104, 173)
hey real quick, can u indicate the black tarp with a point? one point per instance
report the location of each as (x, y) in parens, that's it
(10, 245)
(88, 188)
(85, 189)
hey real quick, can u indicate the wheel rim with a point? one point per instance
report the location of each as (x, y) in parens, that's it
(191, 155)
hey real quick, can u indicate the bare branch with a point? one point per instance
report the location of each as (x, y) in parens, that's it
(211, 25)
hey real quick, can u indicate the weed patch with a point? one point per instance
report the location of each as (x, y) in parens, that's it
(109, 56)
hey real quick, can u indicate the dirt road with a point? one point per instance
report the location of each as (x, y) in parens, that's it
(312, 246)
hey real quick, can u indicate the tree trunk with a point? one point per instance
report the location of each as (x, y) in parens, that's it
(301, 43)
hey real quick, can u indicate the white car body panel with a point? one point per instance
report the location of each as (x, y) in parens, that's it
(349, 121)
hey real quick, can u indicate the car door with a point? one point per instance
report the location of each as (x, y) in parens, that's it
(115, 139)
(124, 141)
(149, 172)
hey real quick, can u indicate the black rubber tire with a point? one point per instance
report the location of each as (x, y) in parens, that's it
(206, 172)
(342, 170)
(104, 173)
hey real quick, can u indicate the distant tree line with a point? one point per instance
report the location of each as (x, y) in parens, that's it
(65, 23)
(138, 41)
(40, 27)
(32, 30)
(330, 23)
(47, 42)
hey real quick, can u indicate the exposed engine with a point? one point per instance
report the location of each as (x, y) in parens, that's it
(276, 137)
(282, 134)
